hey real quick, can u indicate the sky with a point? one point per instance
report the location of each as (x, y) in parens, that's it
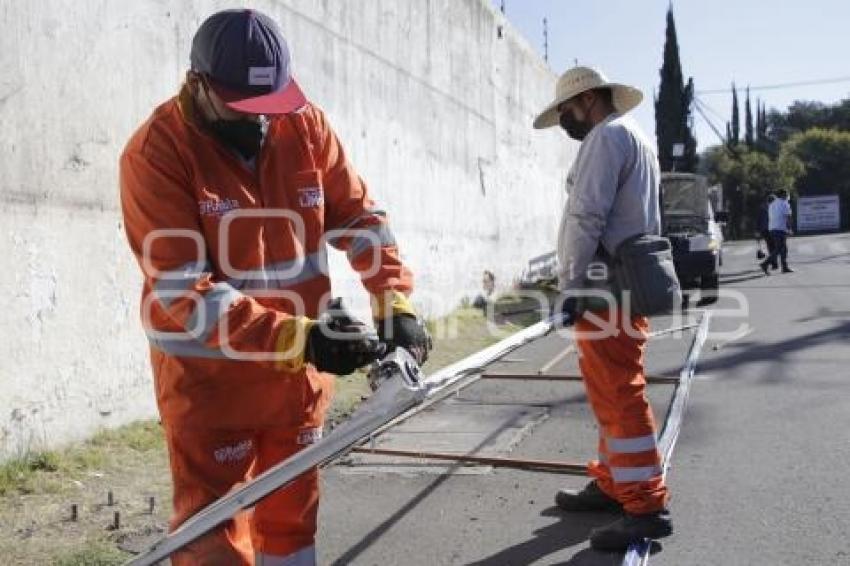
(750, 42)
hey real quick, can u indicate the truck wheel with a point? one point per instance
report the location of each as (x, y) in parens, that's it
(709, 289)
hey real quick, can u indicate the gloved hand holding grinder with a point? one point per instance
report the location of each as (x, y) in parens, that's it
(340, 344)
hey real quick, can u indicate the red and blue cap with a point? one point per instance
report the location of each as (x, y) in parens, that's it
(247, 62)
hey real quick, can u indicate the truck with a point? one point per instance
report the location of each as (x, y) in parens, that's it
(690, 221)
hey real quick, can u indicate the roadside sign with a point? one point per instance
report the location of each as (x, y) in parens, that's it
(818, 213)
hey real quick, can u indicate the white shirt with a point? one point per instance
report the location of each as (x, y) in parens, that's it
(777, 214)
(612, 194)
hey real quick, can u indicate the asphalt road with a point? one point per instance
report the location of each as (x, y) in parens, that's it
(759, 475)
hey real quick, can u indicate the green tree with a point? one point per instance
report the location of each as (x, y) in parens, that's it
(825, 155)
(763, 134)
(673, 108)
(747, 176)
(735, 139)
(749, 138)
(805, 115)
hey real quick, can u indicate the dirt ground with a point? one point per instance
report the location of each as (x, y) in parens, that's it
(38, 493)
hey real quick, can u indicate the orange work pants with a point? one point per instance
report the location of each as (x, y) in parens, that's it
(207, 464)
(611, 362)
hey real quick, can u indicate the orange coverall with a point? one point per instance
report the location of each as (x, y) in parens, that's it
(234, 265)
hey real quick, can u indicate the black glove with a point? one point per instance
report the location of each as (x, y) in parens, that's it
(340, 344)
(565, 311)
(408, 332)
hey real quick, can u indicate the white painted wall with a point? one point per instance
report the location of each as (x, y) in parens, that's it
(434, 109)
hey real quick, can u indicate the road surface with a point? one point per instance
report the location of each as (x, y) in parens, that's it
(759, 476)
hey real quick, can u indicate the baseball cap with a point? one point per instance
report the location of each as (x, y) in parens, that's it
(247, 62)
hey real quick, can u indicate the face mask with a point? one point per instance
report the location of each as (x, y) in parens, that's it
(245, 136)
(576, 129)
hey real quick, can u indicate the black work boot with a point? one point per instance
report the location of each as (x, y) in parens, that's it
(590, 498)
(617, 536)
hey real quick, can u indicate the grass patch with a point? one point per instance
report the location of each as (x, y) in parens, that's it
(48, 471)
(21, 474)
(142, 436)
(93, 553)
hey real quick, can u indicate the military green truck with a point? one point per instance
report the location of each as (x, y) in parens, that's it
(690, 221)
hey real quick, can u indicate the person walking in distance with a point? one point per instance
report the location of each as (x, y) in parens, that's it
(779, 226)
(763, 230)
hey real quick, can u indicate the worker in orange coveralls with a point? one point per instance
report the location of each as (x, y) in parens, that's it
(612, 193)
(230, 191)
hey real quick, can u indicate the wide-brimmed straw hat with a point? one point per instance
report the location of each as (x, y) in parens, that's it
(580, 79)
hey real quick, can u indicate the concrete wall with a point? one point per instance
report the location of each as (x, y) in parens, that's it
(434, 108)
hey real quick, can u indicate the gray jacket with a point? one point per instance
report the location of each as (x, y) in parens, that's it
(612, 194)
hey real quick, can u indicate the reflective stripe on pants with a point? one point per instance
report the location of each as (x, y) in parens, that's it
(304, 557)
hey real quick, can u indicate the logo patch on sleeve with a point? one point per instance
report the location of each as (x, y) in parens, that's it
(311, 197)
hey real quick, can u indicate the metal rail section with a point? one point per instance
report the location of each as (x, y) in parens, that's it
(638, 554)
(650, 379)
(494, 461)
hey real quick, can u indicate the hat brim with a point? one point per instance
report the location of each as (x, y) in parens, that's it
(625, 98)
(288, 99)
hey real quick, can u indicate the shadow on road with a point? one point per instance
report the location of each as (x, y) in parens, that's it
(823, 259)
(757, 274)
(571, 530)
(375, 534)
(774, 352)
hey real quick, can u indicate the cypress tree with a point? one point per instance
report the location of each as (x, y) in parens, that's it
(736, 118)
(673, 107)
(763, 133)
(748, 123)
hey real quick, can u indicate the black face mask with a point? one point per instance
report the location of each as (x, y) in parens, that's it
(244, 136)
(574, 128)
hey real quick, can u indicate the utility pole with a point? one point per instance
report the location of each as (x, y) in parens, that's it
(545, 40)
